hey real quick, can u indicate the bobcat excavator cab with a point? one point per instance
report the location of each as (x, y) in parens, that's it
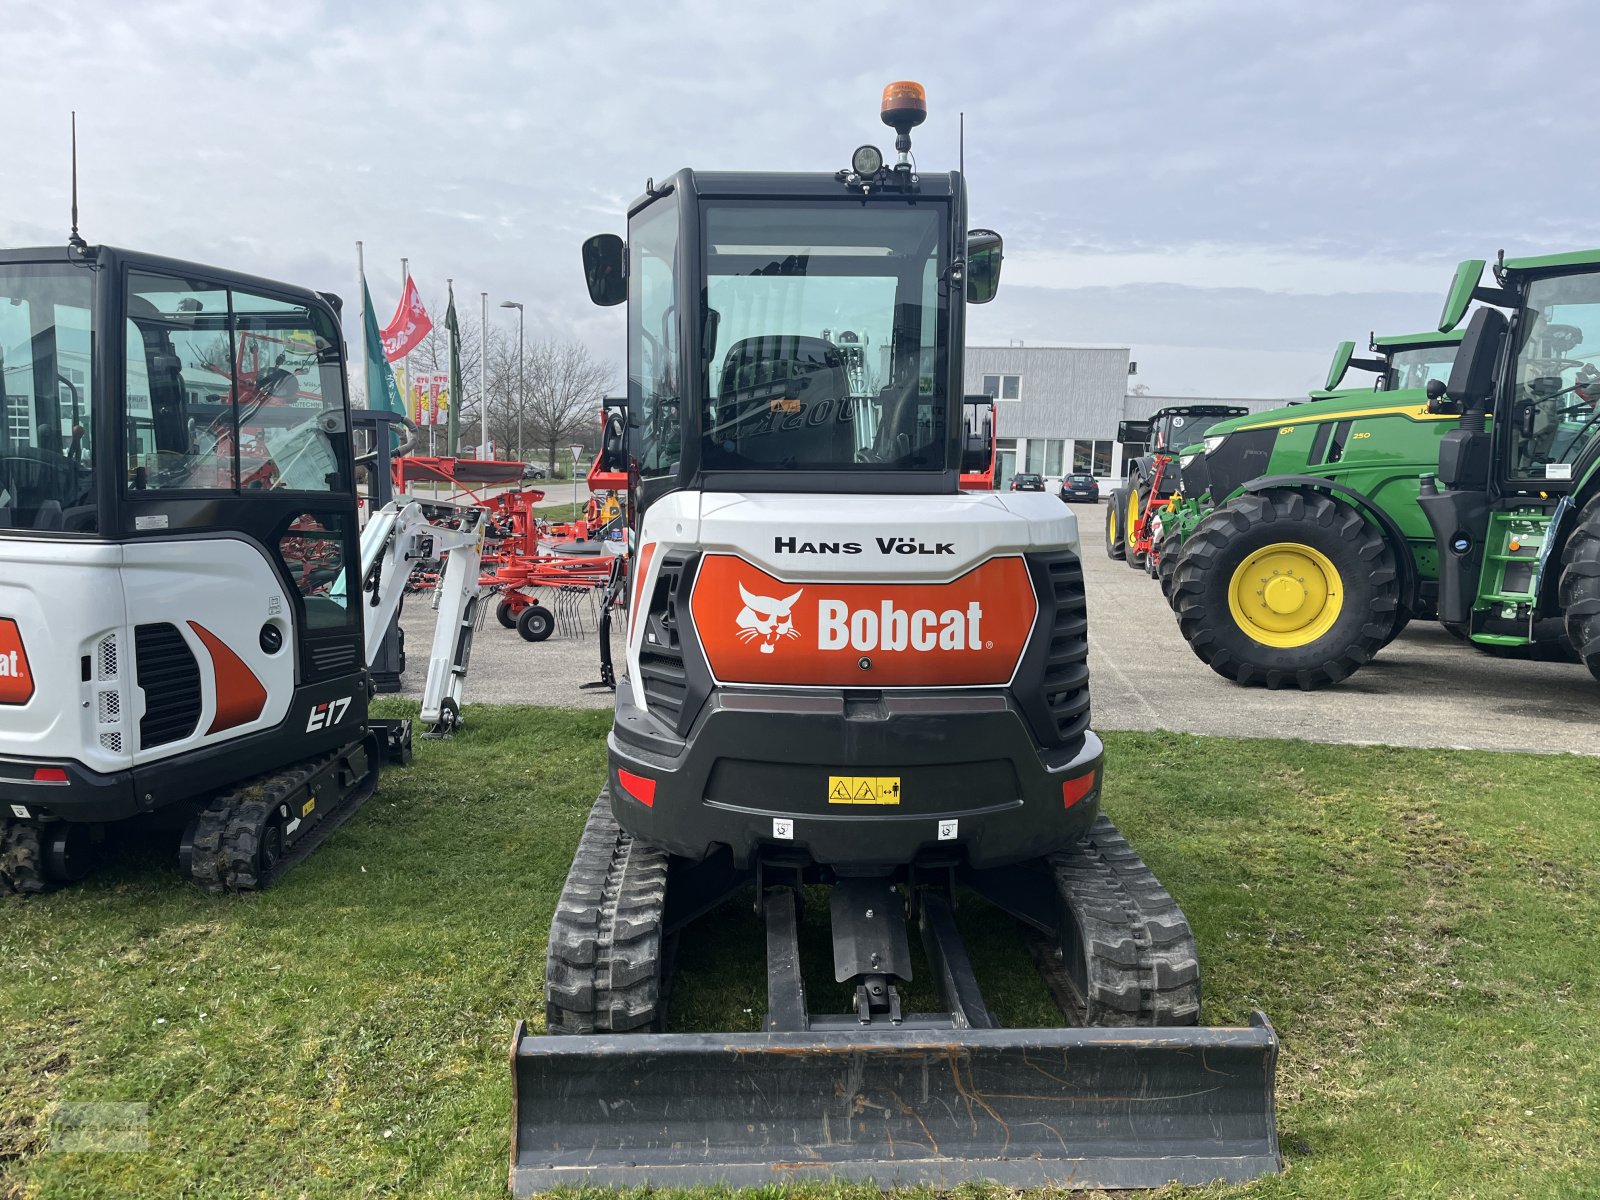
(181, 570)
(842, 670)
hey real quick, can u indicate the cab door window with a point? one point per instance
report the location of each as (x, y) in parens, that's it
(654, 371)
(230, 391)
(1555, 403)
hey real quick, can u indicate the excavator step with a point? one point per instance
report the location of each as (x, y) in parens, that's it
(1071, 1107)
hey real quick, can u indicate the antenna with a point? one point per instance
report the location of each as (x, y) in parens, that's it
(961, 153)
(74, 241)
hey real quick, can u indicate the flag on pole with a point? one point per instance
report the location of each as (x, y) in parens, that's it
(382, 391)
(410, 325)
(453, 436)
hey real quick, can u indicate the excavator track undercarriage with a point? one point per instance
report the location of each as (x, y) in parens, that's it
(1134, 1094)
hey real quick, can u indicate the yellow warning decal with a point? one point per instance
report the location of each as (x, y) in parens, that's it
(305, 809)
(863, 789)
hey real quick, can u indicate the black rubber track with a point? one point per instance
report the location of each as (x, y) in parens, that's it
(224, 849)
(1136, 959)
(1580, 586)
(603, 971)
(1221, 541)
(1114, 531)
(21, 859)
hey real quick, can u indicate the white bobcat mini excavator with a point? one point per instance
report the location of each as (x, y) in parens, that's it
(844, 671)
(182, 578)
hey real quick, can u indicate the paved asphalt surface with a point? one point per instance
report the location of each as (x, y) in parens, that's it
(1424, 689)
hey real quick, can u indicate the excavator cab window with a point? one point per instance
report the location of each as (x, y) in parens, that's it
(828, 349)
(46, 396)
(230, 391)
(654, 370)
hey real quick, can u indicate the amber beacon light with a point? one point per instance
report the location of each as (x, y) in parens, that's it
(905, 106)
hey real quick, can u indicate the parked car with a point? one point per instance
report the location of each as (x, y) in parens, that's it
(1080, 487)
(1027, 483)
(533, 471)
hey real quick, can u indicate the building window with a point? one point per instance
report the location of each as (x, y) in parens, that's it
(1045, 455)
(1091, 457)
(1003, 387)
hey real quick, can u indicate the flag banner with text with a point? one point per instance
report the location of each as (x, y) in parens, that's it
(410, 325)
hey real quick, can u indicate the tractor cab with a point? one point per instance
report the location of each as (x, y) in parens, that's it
(1171, 429)
(798, 332)
(1405, 360)
(1514, 480)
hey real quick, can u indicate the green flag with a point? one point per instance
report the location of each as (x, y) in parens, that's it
(382, 392)
(453, 434)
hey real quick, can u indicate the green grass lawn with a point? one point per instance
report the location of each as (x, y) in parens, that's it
(1422, 927)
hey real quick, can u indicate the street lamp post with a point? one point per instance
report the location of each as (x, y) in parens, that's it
(522, 393)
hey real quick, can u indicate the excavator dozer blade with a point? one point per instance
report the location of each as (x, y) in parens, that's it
(1083, 1108)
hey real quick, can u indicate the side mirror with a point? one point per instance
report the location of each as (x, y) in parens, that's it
(978, 443)
(605, 269)
(1133, 431)
(1459, 296)
(984, 255)
(1472, 374)
(614, 436)
(1341, 364)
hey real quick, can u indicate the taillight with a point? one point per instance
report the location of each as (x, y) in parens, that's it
(1074, 790)
(640, 787)
(49, 775)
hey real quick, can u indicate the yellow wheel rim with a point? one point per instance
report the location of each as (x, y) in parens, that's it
(1133, 514)
(1111, 524)
(1286, 595)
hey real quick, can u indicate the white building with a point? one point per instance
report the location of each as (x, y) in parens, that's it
(1057, 408)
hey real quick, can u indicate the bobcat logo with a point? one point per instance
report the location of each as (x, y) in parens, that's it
(765, 618)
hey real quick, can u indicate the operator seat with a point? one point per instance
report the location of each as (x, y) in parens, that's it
(784, 400)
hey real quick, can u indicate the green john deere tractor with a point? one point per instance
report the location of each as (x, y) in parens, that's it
(1515, 502)
(1296, 548)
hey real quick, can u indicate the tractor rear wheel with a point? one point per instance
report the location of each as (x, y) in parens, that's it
(1134, 505)
(1115, 547)
(1286, 589)
(1580, 587)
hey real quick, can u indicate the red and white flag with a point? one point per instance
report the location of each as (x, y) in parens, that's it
(410, 325)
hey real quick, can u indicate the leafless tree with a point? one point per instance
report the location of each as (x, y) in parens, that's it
(565, 390)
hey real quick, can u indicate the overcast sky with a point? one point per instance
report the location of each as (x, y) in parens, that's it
(1227, 187)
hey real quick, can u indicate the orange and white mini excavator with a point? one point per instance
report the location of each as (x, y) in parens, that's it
(187, 605)
(844, 672)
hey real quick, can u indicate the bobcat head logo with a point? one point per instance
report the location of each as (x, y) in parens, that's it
(765, 618)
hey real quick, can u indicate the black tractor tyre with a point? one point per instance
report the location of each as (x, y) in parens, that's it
(1402, 618)
(536, 623)
(505, 614)
(1167, 564)
(1367, 578)
(1138, 495)
(1579, 590)
(1115, 547)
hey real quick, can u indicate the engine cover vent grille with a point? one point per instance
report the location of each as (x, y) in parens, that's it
(170, 677)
